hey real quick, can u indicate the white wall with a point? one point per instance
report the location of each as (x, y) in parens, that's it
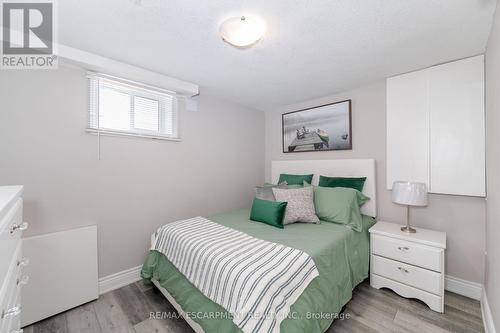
(139, 184)
(492, 281)
(463, 218)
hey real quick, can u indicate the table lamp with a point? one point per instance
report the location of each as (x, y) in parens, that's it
(409, 194)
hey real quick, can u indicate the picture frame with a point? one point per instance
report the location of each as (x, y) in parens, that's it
(326, 127)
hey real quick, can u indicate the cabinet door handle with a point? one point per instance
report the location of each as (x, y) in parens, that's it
(403, 248)
(12, 312)
(21, 227)
(23, 262)
(403, 270)
(23, 280)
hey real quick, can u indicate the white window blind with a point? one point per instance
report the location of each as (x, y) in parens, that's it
(122, 107)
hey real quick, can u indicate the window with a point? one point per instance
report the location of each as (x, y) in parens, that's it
(122, 107)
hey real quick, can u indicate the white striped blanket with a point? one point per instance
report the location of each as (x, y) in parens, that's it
(254, 280)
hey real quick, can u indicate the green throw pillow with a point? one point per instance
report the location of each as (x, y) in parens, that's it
(355, 183)
(340, 205)
(269, 212)
(304, 184)
(295, 179)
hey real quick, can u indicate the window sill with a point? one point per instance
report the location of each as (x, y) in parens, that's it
(131, 134)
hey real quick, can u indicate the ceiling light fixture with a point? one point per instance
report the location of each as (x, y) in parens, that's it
(242, 31)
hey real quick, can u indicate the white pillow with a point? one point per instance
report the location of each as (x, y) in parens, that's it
(300, 207)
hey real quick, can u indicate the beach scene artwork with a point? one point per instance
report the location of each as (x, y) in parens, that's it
(325, 127)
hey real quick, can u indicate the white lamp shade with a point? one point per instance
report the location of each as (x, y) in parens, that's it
(409, 193)
(242, 31)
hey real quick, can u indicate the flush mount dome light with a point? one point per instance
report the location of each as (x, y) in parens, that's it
(242, 31)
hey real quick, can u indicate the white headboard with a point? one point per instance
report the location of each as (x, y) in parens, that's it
(333, 168)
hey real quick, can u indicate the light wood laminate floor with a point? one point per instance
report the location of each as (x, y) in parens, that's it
(127, 310)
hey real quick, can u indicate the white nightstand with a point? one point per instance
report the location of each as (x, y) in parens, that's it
(412, 265)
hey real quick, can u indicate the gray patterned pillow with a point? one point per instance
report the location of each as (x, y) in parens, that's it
(266, 192)
(300, 207)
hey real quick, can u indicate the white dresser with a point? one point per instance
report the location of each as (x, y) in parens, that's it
(412, 265)
(11, 259)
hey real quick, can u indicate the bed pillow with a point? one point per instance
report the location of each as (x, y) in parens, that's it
(268, 212)
(295, 179)
(340, 205)
(265, 192)
(300, 207)
(350, 182)
(304, 184)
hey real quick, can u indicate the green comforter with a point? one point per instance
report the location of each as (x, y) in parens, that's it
(340, 254)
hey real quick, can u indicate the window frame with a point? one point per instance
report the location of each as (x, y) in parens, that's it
(132, 89)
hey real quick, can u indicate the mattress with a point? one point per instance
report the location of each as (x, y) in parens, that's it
(340, 254)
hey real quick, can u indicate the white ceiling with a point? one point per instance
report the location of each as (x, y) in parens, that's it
(312, 48)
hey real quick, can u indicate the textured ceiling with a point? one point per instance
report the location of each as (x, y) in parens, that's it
(312, 48)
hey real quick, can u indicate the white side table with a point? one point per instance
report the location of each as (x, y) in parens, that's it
(412, 265)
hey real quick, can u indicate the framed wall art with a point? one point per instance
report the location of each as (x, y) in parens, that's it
(320, 128)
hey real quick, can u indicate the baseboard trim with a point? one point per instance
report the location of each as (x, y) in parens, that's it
(489, 325)
(463, 287)
(120, 279)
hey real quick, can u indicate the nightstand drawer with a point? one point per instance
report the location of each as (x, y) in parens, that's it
(408, 252)
(433, 301)
(410, 275)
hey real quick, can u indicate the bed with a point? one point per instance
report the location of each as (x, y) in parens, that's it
(341, 256)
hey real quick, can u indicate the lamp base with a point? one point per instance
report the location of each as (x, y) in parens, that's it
(408, 229)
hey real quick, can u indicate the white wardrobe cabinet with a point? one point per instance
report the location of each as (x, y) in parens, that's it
(435, 128)
(407, 128)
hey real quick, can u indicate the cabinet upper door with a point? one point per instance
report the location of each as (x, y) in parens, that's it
(407, 128)
(457, 129)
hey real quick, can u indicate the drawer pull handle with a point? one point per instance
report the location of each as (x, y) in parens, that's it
(23, 262)
(23, 280)
(21, 227)
(17, 331)
(12, 312)
(403, 270)
(403, 248)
